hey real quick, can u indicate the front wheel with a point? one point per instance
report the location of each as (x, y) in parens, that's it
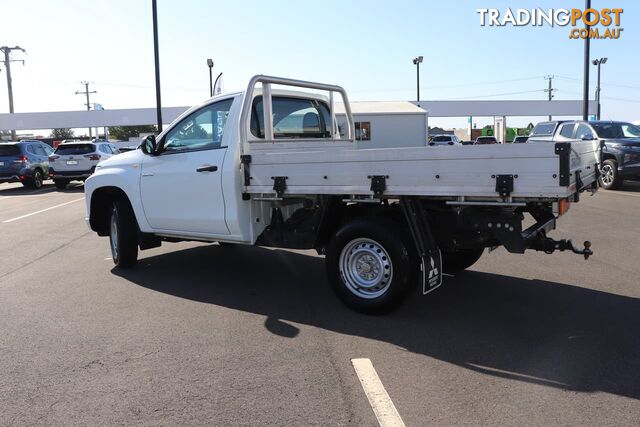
(609, 177)
(370, 265)
(123, 235)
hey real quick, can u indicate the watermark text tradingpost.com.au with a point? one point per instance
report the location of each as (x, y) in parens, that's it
(601, 23)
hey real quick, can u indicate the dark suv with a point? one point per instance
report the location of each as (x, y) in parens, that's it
(25, 161)
(621, 152)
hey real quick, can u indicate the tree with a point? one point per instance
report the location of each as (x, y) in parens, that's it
(123, 133)
(62, 133)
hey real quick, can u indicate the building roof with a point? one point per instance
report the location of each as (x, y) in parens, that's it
(381, 107)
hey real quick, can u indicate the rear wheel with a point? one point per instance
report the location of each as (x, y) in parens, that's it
(61, 184)
(37, 180)
(123, 235)
(370, 265)
(609, 177)
(456, 261)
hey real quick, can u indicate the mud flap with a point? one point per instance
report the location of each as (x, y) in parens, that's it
(428, 250)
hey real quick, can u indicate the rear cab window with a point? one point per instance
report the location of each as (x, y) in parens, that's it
(75, 149)
(9, 150)
(544, 129)
(442, 138)
(293, 118)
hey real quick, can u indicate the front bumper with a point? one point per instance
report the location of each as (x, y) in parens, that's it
(630, 164)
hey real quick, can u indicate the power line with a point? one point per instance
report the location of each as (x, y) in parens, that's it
(498, 94)
(86, 92)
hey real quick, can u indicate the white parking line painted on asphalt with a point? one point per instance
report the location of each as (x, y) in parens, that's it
(34, 193)
(379, 399)
(42, 210)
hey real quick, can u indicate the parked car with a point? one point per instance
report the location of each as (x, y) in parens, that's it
(620, 150)
(25, 161)
(444, 140)
(481, 140)
(77, 161)
(520, 139)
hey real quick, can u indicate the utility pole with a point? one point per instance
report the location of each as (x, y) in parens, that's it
(86, 92)
(550, 90)
(7, 64)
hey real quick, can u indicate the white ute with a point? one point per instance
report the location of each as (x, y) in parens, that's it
(269, 167)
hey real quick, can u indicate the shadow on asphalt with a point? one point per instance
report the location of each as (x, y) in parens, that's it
(631, 186)
(534, 331)
(47, 188)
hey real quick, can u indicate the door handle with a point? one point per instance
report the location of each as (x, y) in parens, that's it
(207, 169)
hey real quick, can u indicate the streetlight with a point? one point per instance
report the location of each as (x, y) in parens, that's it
(210, 64)
(417, 61)
(597, 63)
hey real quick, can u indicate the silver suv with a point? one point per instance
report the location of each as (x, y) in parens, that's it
(77, 160)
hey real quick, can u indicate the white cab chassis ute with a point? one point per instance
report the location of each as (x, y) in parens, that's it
(269, 167)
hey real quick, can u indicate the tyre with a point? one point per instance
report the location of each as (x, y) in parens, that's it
(123, 235)
(371, 265)
(61, 184)
(609, 177)
(226, 244)
(456, 261)
(36, 181)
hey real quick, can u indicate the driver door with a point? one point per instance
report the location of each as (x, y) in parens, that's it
(181, 187)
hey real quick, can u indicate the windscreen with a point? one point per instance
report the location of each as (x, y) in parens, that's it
(71, 149)
(9, 150)
(616, 130)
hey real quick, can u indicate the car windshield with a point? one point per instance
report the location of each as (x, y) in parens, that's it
(617, 130)
(69, 149)
(441, 138)
(9, 150)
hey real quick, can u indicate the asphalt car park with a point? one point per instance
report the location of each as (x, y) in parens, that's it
(200, 333)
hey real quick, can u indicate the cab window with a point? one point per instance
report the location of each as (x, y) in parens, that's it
(293, 118)
(584, 131)
(202, 130)
(567, 130)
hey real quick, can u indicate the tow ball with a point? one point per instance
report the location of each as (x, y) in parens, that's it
(549, 246)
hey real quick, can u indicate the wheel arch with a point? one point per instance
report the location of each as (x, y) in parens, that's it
(101, 204)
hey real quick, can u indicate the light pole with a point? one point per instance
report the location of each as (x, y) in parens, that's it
(585, 82)
(597, 63)
(210, 64)
(156, 55)
(417, 61)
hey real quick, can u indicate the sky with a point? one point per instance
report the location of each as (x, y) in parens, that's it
(364, 46)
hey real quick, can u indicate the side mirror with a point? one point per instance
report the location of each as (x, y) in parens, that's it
(587, 138)
(148, 145)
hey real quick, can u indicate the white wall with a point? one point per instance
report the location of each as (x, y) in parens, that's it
(392, 130)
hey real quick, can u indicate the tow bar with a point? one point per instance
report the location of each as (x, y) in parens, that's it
(548, 245)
